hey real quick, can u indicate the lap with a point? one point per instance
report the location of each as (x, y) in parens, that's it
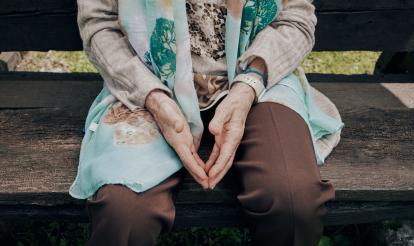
(276, 144)
(272, 130)
(276, 148)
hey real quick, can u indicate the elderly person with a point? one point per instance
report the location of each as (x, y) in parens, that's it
(172, 66)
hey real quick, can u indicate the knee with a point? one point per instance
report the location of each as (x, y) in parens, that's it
(309, 199)
(258, 202)
(114, 204)
(303, 203)
(120, 206)
(120, 216)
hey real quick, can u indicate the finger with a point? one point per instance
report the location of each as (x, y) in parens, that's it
(202, 182)
(199, 161)
(219, 119)
(226, 151)
(191, 163)
(215, 180)
(212, 158)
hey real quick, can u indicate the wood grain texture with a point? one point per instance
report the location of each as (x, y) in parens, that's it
(342, 25)
(51, 6)
(357, 5)
(385, 30)
(40, 136)
(222, 215)
(395, 62)
(37, 90)
(37, 6)
(41, 128)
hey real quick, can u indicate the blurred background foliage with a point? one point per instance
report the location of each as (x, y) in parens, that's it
(350, 62)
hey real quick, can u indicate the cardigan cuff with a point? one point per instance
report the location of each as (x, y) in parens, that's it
(261, 47)
(138, 97)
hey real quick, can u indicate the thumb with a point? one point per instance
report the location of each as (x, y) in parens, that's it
(176, 122)
(172, 118)
(178, 126)
(218, 121)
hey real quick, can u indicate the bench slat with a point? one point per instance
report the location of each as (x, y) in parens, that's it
(341, 25)
(40, 146)
(51, 6)
(223, 215)
(45, 90)
(39, 151)
(372, 169)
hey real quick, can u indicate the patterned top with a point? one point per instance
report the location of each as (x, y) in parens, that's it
(112, 140)
(206, 20)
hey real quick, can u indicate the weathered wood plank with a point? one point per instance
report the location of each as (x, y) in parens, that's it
(37, 6)
(39, 149)
(40, 32)
(357, 5)
(386, 26)
(389, 30)
(29, 90)
(372, 169)
(216, 215)
(391, 62)
(50, 6)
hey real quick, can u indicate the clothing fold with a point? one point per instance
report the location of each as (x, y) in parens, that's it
(126, 146)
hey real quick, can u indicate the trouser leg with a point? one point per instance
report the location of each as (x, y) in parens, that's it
(120, 216)
(282, 193)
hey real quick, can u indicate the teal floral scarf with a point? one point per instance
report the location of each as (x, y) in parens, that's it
(162, 41)
(124, 147)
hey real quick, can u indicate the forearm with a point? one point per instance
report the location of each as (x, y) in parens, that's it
(109, 50)
(285, 43)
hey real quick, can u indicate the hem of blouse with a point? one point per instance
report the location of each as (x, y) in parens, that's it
(134, 186)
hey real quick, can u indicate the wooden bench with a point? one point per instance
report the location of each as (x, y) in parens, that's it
(42, 114)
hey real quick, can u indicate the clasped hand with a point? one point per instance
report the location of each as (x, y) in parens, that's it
(227, 126)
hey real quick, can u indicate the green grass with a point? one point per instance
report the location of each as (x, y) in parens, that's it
(56, 61)
(351, 62)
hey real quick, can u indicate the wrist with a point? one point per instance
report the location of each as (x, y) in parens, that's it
(155, 98)
(253, 81)
(258, 65)
(245, 91)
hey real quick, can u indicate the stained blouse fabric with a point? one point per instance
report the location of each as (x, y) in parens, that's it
(126, 147)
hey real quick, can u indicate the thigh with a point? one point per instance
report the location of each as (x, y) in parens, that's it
(165, 188)
(276, 158)
(120, 216)
(120, 205)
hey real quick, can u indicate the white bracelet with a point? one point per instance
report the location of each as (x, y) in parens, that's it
(253, 81)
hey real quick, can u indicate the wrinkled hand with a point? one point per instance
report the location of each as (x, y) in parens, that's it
(227, 126)
(176, 131)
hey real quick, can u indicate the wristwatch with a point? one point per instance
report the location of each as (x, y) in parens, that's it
(253, 81)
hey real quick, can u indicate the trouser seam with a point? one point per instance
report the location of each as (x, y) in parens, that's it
(291, 205)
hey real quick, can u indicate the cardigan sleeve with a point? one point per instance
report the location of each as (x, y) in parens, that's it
(108, 49)
(285, 43)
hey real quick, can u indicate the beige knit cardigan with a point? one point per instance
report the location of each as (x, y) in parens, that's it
(283, 45)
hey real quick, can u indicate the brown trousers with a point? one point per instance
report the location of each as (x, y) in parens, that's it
(282, 195)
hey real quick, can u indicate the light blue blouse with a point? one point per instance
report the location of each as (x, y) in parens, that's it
(112, 157)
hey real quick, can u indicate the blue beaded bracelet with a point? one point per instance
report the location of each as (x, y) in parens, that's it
(251, 70)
